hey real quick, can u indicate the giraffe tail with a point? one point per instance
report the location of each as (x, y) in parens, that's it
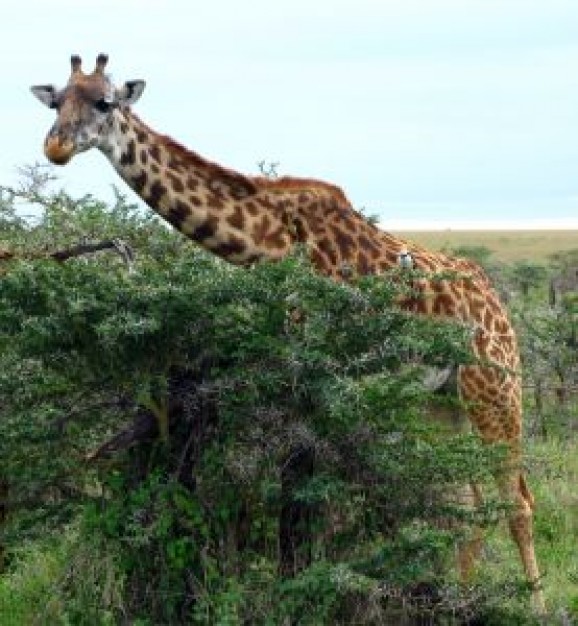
(526, 493)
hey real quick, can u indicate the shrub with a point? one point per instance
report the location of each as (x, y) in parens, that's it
(242, 446)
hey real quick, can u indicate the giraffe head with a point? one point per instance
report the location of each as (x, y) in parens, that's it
(85, 109)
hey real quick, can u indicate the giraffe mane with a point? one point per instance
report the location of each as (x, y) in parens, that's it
(290, 183)
(241, 184)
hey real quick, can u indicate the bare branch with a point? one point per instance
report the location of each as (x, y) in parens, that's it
(268, 168)
(144, 427)
(119, 246)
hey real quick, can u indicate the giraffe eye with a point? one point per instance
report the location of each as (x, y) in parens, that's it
(102, 105)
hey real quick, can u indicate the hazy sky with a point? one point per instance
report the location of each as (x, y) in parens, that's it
(461, 111)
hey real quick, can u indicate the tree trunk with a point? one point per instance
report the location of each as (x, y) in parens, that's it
(295, 535)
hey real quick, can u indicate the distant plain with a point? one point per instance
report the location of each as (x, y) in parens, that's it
(506, 245)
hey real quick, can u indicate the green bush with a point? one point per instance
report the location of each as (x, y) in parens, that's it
(233, 446)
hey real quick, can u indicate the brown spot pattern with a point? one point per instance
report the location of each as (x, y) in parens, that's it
(236, 219)
(328, 250)
(129, 157)
(206, 230)
(233, 246)
(260, 229)
(157, 191)
(155, 152)
(176, 183)
(138, 183)
(178, 213)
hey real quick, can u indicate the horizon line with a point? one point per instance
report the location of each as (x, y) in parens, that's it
(480, 225)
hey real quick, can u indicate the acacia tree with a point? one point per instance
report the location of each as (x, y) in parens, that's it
(237, 446)
(527, 275)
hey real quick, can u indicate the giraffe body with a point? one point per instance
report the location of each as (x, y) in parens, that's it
(246, 219)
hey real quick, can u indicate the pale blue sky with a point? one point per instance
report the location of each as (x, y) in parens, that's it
(463, 112)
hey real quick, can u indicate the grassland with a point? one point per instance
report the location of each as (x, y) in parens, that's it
(507, 245)
(552, 473)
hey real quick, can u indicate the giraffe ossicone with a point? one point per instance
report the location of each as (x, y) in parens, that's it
(244, 219)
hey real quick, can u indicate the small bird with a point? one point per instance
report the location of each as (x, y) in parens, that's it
(405, 260)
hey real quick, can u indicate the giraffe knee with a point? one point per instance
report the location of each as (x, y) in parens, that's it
(525, 492)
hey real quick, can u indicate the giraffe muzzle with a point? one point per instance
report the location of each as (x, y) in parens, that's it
(58, 151)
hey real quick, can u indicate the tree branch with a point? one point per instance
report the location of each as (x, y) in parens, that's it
(119, 246)
(144, 427)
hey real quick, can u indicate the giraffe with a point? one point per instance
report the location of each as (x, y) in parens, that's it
(246, 219)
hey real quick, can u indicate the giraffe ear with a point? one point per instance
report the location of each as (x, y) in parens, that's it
(46, 94)
(130, 92)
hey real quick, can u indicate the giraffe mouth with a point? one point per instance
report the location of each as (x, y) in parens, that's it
(57, 151)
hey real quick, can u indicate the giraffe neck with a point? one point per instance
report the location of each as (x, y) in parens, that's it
(243, 219)
(220, 209)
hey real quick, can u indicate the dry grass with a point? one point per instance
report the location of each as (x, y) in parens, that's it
(506, 245)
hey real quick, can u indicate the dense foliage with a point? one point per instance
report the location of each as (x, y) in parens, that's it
(183, 441)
